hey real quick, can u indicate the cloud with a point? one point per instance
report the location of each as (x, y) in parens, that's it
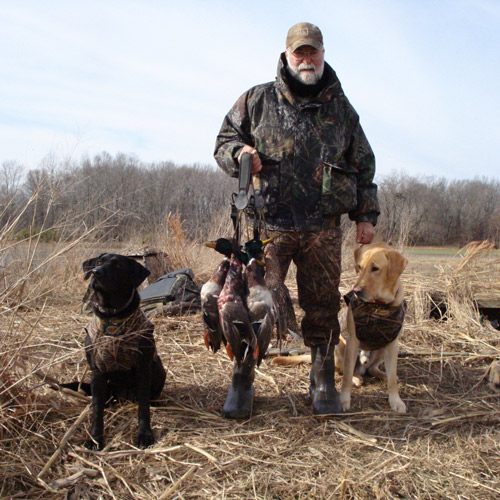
(156, 78)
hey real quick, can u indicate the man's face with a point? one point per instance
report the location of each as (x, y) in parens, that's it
(306, 64)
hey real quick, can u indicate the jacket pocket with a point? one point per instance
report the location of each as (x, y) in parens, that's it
(338, 189)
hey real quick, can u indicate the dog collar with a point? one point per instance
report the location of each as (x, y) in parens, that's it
(112, 329)
(352, 295)
(109, 311)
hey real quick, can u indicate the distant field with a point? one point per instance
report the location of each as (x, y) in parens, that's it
(441, 251)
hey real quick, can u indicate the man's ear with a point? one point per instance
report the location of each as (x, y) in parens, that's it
(139, 272)
(89, 265)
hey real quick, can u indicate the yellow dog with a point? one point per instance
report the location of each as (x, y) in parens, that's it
(374, 319)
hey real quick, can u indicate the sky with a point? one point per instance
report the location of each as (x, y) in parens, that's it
(155, 79)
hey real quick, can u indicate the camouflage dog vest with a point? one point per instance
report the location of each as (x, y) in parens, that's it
(115, 342)
(377, 325)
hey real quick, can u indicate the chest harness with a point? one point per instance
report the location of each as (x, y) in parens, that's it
(377, 325)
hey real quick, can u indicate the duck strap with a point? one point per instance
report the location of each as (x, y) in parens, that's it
(241, 199)
(253, 205)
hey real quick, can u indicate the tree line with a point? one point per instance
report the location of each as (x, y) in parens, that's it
(126, 198)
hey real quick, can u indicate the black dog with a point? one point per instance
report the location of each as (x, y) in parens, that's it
(120, 346)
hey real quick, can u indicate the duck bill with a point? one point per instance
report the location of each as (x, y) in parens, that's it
(210, 244)
(265, 242)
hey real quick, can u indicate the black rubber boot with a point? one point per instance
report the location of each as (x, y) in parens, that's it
(325, 398)
(239, 399)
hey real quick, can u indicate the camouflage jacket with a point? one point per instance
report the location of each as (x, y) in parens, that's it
(316, 161)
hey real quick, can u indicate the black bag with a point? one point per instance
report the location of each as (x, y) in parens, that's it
(176, 287)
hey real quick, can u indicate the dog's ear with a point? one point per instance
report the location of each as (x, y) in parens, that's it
(88, 265)
(357, 258)
(139, 272)
(397, 264)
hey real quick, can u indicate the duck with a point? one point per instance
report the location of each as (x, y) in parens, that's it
(210, 292)
(284, 313)
(254, 248)
(285, 319)
(234, 316)
(260, 306)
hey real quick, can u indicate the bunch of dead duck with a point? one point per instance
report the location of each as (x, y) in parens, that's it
(241, 311)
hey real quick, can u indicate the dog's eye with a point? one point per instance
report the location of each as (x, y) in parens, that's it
(375, 269)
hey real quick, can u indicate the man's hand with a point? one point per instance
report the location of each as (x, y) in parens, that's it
(256, 163)
(365, 233)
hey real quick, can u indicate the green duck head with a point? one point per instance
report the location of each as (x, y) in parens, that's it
(254, 248)
(221, 245)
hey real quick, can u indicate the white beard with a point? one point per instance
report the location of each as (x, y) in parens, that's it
(307, 77)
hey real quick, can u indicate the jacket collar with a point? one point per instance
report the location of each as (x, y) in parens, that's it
(329, 91)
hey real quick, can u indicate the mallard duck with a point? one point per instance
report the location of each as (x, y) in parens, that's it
(210, 292)
(254, 249)
(285, 319)
(260, 306)
(234, 317)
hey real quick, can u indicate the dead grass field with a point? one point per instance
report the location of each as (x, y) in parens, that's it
(446, 446)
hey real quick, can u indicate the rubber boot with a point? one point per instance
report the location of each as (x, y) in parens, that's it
(239, 399)
(325, 398)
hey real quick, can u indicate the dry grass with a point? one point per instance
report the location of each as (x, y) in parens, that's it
(446, 446)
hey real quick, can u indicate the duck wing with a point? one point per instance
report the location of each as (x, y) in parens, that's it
(210, 292)
(238, 332)
(260, 307)
(285, 318)
(234, 318)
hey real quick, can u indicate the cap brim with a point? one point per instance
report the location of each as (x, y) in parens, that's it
(305, 41)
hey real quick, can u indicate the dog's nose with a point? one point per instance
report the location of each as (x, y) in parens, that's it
(97, 271)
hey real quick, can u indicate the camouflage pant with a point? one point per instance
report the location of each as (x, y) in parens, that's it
(317, 256)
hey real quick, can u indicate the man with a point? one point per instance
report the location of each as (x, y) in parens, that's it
(315, 164)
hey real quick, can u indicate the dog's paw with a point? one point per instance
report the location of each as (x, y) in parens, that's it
(345, 400)
(145, 438)
(397, 404)
(95, 444)
(357, 380)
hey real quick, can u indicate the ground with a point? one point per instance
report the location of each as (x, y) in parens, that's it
(446, 446)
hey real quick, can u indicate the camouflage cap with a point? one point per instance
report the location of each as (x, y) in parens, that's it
(304, 34)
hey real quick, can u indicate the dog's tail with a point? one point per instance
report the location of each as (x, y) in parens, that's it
(77, 387)
(292, 360)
